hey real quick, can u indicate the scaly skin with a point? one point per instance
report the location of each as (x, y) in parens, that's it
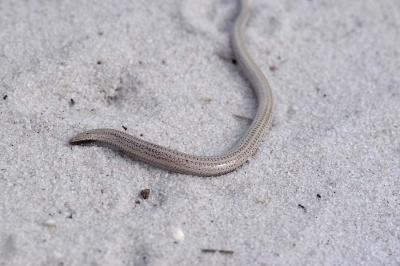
(180, 162)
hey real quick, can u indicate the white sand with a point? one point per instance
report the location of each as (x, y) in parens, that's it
(323, 189)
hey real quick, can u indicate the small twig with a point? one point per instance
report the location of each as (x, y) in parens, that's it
(221, 251)
(208, 250)
(226, 252)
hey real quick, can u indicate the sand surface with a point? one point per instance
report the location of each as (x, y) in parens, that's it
(324, 187)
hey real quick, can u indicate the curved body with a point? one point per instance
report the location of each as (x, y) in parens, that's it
(180, 162)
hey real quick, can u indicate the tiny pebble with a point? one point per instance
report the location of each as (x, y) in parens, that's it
(145, 193)
(178, 234)
(273, 68)
(50, 223)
